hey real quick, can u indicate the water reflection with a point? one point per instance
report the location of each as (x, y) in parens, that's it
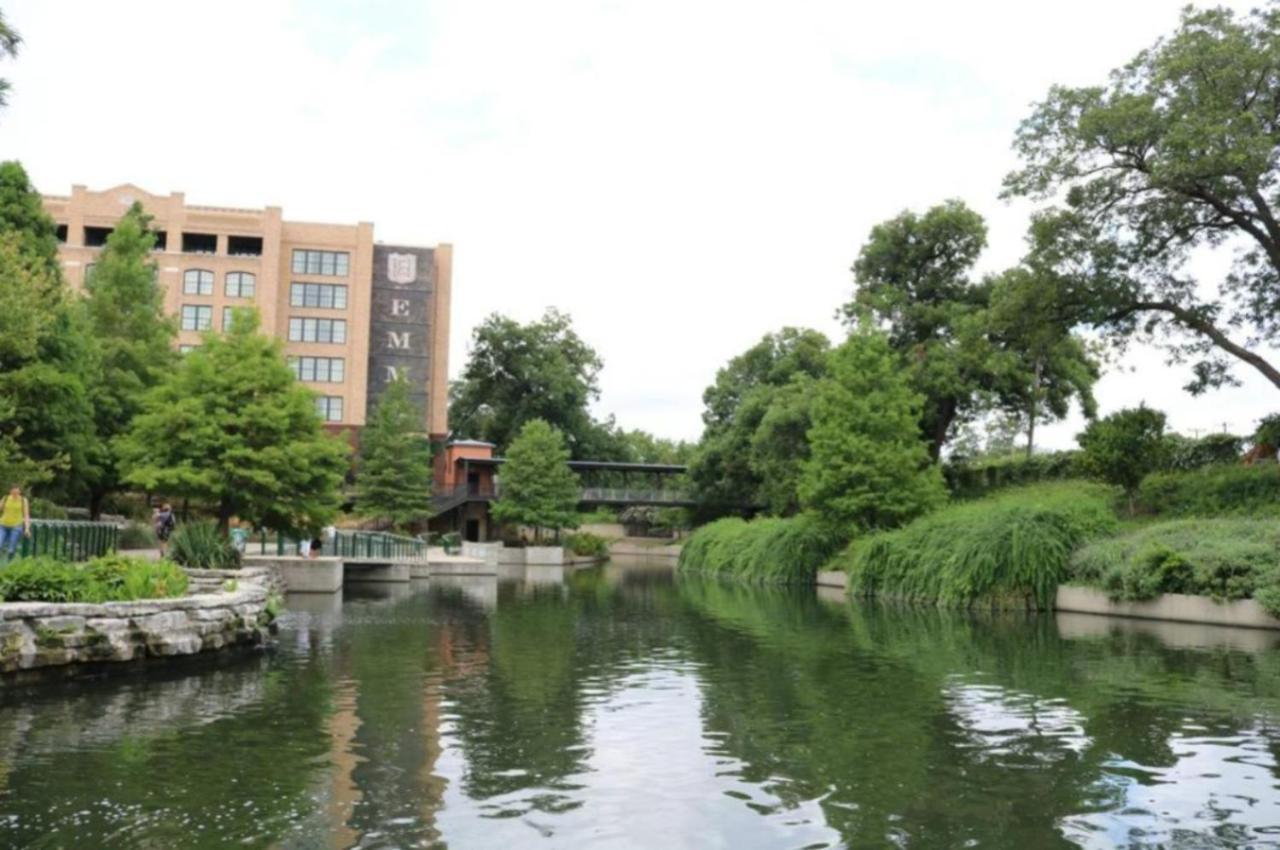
(619, 707)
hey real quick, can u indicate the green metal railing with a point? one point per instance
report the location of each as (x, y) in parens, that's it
(359, 544)
(69, 540)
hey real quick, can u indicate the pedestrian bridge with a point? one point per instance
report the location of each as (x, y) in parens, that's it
(595, 473)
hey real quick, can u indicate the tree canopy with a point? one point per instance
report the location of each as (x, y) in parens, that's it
(538, 489)
(231, 426)
(754, 418)
(1125, 447)
(134, 337)
(9, 43)
(520, 372)
(393, 469)
(868, 466)
(1177, 153)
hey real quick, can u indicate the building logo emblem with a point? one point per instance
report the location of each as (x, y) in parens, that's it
(402, 268)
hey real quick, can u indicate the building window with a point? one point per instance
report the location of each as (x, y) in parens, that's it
(199, 243)
(197, 282)
(330, 407)
(328, 296)
(187, 349)
(319, 370)
(240, 285)
(329, 263)
(197, 317)
(244, 246)
(317, 330)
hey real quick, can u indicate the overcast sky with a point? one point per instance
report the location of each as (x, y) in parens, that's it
(681, 177)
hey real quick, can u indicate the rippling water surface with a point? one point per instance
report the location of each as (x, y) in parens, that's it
(623, 708)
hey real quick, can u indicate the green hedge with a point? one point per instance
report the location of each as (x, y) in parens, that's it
(1007, 550)
(1223, 558)
(1220, 490)
(110, 578)
(969, 479)
(770, 549)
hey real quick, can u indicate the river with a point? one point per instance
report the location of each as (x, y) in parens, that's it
(625, 707)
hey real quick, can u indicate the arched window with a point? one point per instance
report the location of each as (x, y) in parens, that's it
(197, 282)
(240, 285)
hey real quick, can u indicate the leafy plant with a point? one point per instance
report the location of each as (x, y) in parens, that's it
(1125, 447)
(770, 549)
(201, 545)
(1184, 454)
(1009, 550)
(111, 578)
(586, 545)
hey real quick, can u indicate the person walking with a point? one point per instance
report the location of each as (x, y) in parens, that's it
(15, 521)
(163, 522)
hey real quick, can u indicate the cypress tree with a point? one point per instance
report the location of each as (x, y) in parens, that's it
(393, 471)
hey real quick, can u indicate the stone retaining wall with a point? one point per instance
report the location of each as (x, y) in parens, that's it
(266, 575)
(45, 634)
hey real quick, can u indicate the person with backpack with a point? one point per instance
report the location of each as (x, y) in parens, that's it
(163, 522)
(15, 521)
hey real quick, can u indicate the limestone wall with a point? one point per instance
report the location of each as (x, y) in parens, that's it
(44, 634)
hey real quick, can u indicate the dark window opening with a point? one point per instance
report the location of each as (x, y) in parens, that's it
(162, 240)
(244, 246)
(62, 233)
(96, 237)
(199, 243)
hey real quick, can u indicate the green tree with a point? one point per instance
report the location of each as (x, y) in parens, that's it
(231, 426)
(9, 42)
(746, 456)
(520, 372)
(868, 466)
(47, 357)
(393, 468)
(1177, 153)
(913, 279)
(538, 489)
(125, 306)
(1124, 447)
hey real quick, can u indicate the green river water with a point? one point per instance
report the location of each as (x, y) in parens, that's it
(625, 707)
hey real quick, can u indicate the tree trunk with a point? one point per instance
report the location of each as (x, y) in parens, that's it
(95, 504)
(946, 415)
(224, 515)
(1032, 411)
(1204, 327)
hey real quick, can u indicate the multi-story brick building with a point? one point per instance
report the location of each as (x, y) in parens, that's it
(352, 313)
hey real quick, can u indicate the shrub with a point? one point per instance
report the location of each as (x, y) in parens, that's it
(135, 535)
(200, 545)
(1185, 453)
(1222, 558)
(111, 578)
(1014, 548)
(1125, 447)
(770, 549)
(45, 509)
(587, 545)
(1214, 491)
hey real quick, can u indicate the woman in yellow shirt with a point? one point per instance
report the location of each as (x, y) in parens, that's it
(15, 521)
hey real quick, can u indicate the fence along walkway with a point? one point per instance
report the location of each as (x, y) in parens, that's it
(69, 540)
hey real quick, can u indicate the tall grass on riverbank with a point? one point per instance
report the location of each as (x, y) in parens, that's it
(1222, 558)
(1010, 550)
(771, 549)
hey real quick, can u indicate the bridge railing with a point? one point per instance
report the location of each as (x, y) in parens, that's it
(618, 495)
(358, 544)
(69, 540)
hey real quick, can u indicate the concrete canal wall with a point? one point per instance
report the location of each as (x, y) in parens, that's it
(1175, 607)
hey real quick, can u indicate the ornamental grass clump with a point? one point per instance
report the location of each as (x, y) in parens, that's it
(1222, 558)
(111, 578)
(771, 549)
(1011, 550)
(201, 545)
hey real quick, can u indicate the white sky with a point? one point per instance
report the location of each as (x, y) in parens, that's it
(682, 177)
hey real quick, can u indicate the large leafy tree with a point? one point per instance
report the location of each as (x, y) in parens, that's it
(1178, 152)
(1125, 447)
(393, 469)
(125, 308)
(520, 372)
(539, 489)
(752, 414)
(9, 42)
(47, 357)
(230, 426)
(868, 465)
(913, 280)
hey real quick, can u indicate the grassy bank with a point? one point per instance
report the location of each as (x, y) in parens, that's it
(1220, 490)
(111, 578)
(765, 550)
(1009, 550)
(1226, 558)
